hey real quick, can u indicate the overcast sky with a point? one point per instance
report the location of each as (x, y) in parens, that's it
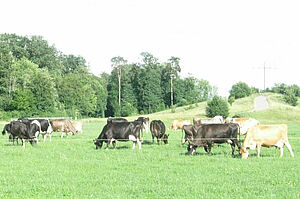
(222, 41)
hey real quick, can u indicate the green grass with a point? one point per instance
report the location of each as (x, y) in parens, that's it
(72, 168)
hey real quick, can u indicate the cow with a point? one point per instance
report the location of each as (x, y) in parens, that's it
(63, 125)
(208, 134)
(20, 130)
(78, 126)
(45, 127)
(190, 132)
(266, 135)
(145, 121)
(178, 124)
(121, 131)
(111, 119)
(245, 123)
(158, 130)
(215, 120)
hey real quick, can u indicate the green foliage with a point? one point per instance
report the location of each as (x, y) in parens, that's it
(231, 99)
(217, 106)
(240, 90)
(290, 97)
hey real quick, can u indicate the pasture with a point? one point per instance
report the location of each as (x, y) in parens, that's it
(72, 168)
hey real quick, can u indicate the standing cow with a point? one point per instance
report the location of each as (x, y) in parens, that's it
(158, 130)
(208, 134)
(266, 135)
(121, 131)
(18, 129)
(64, 126)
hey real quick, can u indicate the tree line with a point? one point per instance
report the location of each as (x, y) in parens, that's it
(36, 79)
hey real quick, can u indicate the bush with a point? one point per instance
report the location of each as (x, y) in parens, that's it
(290, 97)
(217, 106)
(240, 90)
(128, 109)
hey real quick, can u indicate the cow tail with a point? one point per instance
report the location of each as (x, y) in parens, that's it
(182, 134)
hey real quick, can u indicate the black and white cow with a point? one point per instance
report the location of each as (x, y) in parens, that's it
(208, 134)
(158, 130)
(121, 131)
(18, 129)
(145, 121)
(45, 126)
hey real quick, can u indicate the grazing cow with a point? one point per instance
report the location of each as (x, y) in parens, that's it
(158, 130)
(178, 124)
(266, 135)
(145, 121)
(121, 131)
(245, 123)
(63, 125)
(215, 120)
(77, 126)
(208, 134)
(111, 119)
(20, 130)
(45, 127)
(190, 132)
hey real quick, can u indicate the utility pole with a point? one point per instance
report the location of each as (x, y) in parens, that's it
(265, 68)
(119, 78)
(172, 76)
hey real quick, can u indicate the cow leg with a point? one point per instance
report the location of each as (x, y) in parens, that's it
(23, 143)
(209, 145)
(232, 148)
(114, 144)
(287, 144)
(157, 140)
(258, 149)
(152, 139)
(62, 134)
(45, 137)
(108, 143)
(133, 146)
(139, 143)
(205, 148)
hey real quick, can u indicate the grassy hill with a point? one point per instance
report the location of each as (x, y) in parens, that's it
(278, 112)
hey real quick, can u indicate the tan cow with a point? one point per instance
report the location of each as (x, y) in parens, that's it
(266, 135)
(64, 126)
(244, 122)
(178, 124)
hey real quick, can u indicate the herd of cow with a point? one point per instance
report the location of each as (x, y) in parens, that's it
(30, 129)
(203, 133)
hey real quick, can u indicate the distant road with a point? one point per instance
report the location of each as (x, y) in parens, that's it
(260, 103)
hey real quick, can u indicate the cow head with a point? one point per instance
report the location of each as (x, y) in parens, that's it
(191, 149)
(165, 138)
(6, 129)
(245, 152)
(98, 143)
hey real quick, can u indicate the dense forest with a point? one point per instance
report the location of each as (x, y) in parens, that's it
(36, 79)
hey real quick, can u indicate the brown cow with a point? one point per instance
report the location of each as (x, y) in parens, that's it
(178, 124)
(63, 125)
(266, 135)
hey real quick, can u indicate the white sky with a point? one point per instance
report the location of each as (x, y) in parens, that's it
(222, 41)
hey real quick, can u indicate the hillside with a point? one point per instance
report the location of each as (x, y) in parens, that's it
(278, 112)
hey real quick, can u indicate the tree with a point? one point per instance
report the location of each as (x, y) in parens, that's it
(231, 100)
(217, 106)
(240, 90)
(119, 62)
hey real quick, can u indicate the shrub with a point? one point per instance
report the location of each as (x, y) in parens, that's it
(217, 106)
(290, 97)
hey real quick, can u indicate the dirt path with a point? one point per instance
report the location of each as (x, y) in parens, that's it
(260, 103)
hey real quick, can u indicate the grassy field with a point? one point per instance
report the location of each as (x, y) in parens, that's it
(72, 168)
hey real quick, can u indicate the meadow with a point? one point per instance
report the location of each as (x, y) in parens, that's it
(72, 168)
